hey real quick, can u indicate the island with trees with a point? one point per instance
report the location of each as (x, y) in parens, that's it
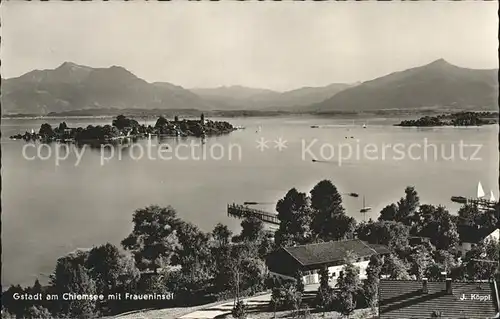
(165, 254)
(123, 127)
(454, 119)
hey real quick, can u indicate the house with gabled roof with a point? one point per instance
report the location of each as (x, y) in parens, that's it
(470, 235)
(412, 299)
(311, 258)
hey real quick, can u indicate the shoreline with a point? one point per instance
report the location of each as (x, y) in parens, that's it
(145, 114)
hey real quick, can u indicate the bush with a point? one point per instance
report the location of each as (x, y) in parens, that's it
(38, 312)
(239, 311)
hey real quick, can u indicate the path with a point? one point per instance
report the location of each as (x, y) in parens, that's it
(225, 308)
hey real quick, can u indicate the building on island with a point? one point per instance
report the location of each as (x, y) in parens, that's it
(411, 299)
(286, 261)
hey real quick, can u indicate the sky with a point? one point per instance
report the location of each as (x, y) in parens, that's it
(275, 45)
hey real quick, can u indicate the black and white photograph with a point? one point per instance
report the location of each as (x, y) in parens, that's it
(250, 159)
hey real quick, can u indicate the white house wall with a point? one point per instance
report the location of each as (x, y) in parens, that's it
(334, 272)
(495, 235)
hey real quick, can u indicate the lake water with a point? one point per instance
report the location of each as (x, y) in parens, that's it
(49, 210)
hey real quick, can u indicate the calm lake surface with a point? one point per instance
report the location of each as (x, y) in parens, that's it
(49, 210)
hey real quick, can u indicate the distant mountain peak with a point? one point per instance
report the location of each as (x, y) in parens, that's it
(71, 87)
(436, 85)
(117, 67)
(440, 63)
(71, 65)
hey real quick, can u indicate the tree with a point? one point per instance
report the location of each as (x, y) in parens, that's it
(70, 276)
(388, 213)
(285, 296)
(153, 240)
(221, 234)
(447, 237)
(37, 287)
(299, 286)
(326, 198)
(390, 233)
(122, 122)
(433, 272)
(342, 227)
(348, 285)
(46, 130)
(222, 276)
(246, 267)
(324, 297)
(62, 127)
(238, 268)
(82, 283)
(407, 206)
(111, 270)
(17, 308)
(423, 220)
(395, 268)
(445, 259)
(420, 259)
(371, 284)
(252, 230)
(37, 312)
(436, 223)
(481, 262)
(160, 122)
(193, 252)
(6, 314)
(294, 214)
(266, 246)
(468, 214)
(277, 297)
(329, 220)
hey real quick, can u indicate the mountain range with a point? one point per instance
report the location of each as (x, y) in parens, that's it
(244, 98)
(70, 87)
(438, 85)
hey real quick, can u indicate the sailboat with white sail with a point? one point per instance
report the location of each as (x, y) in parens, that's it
(481, 200)
(480, 190)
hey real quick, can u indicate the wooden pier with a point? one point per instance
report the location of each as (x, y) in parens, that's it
(242, 211)
(482, 204)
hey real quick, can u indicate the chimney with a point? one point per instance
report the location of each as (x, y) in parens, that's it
(449, 290)
(424, 286)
